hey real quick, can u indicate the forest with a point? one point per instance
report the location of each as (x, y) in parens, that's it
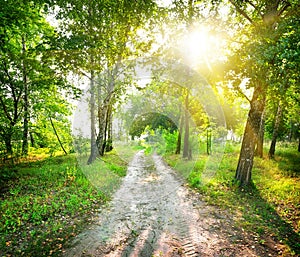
(211, 86)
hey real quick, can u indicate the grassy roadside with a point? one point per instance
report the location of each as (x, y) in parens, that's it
(49, 201)
(269, 208)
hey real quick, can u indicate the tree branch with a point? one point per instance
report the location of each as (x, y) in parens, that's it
(84, 74)
(5, 110)
(238, 89)
(255, 7)
(57, 136)
(286, 5)
(242, 12)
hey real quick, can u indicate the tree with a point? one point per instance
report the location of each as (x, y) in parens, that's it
(285, 77)
(153, 121)
(178, 144)
(275, 131)
(28, 71)
(258, 41)
(186, 147)
(103, 34)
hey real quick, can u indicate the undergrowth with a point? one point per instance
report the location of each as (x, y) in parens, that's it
(46, 202)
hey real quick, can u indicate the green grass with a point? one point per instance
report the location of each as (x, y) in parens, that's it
(46, 202)
(270, 206)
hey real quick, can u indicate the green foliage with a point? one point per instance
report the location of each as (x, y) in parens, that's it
(170, 139)
(274, 64)
(160, 140)
(153, 121)
(32, 87)
(49, 201)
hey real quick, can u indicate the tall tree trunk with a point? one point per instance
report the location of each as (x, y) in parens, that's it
(26, 103)
(208, 140)
(259, 151)
(57, 136)
(299, 145)
(101, 131)
(105, 124)
(32, 141)
(291, 131)
(102, 121)
(245, 162)
(109, 140)
(186, 148)
(94, 149)
(275, 131)
(178, 145)
(186, 127)
(8, 143)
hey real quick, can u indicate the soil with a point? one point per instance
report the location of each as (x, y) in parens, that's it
(154, 214)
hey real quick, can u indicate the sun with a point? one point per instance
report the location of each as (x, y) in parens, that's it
(200, 45)
(198, 42)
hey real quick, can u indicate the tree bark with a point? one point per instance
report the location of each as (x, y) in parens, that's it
(186, 128)
(178, 145)
(8, 143)
(259, 151)
(208, 140)
(102, 122)
(275, 131)
(245, 162)
(109, 140)
(32, 141)
(291, 131)
(105, 124)
(94, 150)
(100, 135)
(26, 103)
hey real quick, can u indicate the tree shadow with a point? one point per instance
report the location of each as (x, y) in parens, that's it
(264, 214)
(289, 162)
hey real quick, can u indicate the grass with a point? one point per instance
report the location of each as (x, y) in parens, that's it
(269, 207)
(46, 202)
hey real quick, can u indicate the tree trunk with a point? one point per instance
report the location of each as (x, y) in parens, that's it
(106, 126)
(94, 150)
(260, 139)
(178, 145)
(245, 163)
(8, 143)
(100, 135)
(186, 128)
(109, 141)
(291, 131)
(208, 140)
(102, 121)
(57, 136)
(32, 141)
(26, 104)
(299, 145)
(275, 131)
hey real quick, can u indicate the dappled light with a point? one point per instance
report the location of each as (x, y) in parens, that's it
(149, 128)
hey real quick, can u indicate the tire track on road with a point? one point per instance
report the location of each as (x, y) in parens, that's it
(153, 214)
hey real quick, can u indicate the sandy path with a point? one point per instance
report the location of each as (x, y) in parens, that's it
(154, 214)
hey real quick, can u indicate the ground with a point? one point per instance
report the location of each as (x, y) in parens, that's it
(155, 214)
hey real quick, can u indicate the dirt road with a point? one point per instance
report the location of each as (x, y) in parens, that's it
(154, 214)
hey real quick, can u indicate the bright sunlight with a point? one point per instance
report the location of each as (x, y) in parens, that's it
(200, 46)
